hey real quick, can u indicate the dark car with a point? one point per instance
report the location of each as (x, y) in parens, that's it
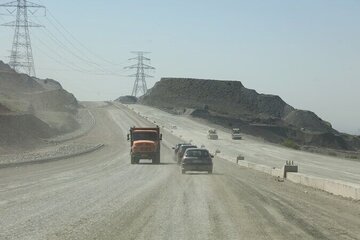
(181, 152)
(197, 159)
(177, 147)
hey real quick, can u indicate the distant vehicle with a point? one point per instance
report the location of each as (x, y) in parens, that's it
(145, 144)
(197, 159)
(212, 134)
(177, 146)
(176, 149)
(236, 134)
(182, 150)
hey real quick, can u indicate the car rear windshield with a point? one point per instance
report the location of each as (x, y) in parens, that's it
(181, 144)
(183, 148)
(197, 153)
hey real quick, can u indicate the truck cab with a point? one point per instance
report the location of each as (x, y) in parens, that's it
(145, 144)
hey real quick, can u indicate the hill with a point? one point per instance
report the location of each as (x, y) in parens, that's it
(32, 109)
(230, 104)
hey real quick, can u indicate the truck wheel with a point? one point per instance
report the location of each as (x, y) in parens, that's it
(132, 160)
(210, 172)
(183, 171)
(156, 160)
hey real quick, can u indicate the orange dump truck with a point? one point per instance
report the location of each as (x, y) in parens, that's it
(145, 144)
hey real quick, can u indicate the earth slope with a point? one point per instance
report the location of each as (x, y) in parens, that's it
(32, 109)
(230, 104)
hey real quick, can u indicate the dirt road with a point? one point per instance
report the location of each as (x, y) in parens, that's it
(255, 150)
(103, 196)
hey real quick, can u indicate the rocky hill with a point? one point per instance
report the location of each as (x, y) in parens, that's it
(230, 104)
(32, 109)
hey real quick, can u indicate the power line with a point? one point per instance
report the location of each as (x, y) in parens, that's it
(65, 44)
(57, 60)
(82, 55)
(69, 47)
(74, 38)
(66, 62)
(140, 75)
(21, 57)
(81, 44)
(59, 56)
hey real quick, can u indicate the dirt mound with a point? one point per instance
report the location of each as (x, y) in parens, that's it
(21, 92)
(23, 130)
(223, 97)
(13, 83)
(49, 84)
(63, 122)
(230, 104)
(48, 108)
(308, 121)
(57, 100)
(328, 140)
(127, 99)
(5, 68)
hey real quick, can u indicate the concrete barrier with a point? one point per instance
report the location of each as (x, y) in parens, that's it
(263, 168)
(277, 172)
(258, 167)
(243, 164)
(336, 187)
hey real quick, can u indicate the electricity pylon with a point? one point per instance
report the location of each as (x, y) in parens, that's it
(21, 57)
(140, 75)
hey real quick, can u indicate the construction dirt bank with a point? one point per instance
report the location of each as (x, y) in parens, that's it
(59, 147)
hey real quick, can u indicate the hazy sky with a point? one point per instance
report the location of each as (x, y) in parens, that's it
(307, 51)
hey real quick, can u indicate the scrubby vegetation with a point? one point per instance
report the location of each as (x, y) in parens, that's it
(291, 144)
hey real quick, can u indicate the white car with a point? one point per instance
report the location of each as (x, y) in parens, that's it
(235, 134)
(212, 134)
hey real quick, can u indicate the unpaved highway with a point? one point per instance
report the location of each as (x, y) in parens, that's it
(254, 150)
(102, 196)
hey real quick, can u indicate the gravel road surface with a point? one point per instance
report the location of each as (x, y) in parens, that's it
(254, 150)
(102, 196)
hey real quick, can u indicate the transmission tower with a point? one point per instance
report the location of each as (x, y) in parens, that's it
(21, 58)
(140, 75)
